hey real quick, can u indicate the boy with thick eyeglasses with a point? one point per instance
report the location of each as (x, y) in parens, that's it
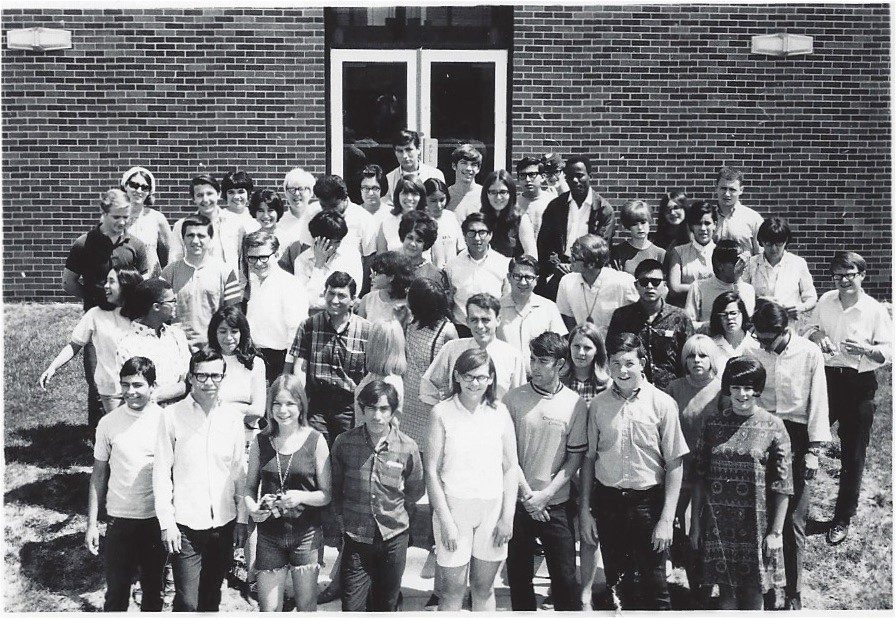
(662, 328)
(532, 199)
(855, 332)
(198, 483)
(202, 282)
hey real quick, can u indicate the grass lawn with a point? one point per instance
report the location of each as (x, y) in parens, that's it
(48, 457)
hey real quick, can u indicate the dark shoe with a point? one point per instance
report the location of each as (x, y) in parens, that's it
(432, 605)
(837, 533)
(793, 602)
(329, 594)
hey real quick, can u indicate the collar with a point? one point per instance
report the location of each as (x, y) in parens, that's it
(377, 446)
(196, 266)
(663, 312)
(122, 238)
(143, 329)
(703, 250)
(544, 393)
(329, 322)
(765, 263)
(588, 203)
(532, 302)
(482, 259)
(730, 214)
(635, 393)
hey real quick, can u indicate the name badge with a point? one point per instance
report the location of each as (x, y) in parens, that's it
(394, 464)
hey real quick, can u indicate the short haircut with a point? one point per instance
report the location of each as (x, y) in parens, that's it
(372, 392)
(848, 259)
(529, 162)
(428, 302)
(328, 224)
(340, 279)
(625, 342)
(646, 266)
(236, 180)
(729, 173)
(260, 238)
(385, 354)
(292, 384)
(233, 316)
(700, 344)
(113, 198)
(770, 317)
(468, 361)
(522, 260)
(139, 366)
(374, 171)
(578, 159)
(298, 176)
(549, 344)
(267, 197)
(485, 301)
(774, 230)
(421, 224)
(465, 152)
(206, 354)
(743, 371)
(330, 187)
(593, 249)
(145, 295)
(395, 265)
(476, 217)
(407, 185)
(698, 209)
(406, 137)
(203, 179)
(718, 306)
(197, 220)
(435, 185)
(635, 211)
(726, 252)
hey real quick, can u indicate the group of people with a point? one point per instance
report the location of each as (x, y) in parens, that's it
(267, 366)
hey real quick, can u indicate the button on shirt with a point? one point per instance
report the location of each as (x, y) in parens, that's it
(276, 308)
(867, 321)
(577, 222)
(467, 277)
(201, 291)
(520, 326)
(740, 225)
(612, 289)
(788, 282)
(632, 440)
(169, 351)
(334, 359)
(198, 478)
(795, 387)
(373, 484)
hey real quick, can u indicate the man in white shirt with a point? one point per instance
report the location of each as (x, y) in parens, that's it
(228, 227)
(407, 151)
(197, 483)
(298, 187)
(736, 221)
(533, 200)
(592, 291)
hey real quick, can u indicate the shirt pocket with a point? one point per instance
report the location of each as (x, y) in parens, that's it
(645, 434)
(391, 471)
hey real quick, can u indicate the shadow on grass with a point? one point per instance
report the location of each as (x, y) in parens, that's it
(63, 493)
(62, 564)
(51, 446)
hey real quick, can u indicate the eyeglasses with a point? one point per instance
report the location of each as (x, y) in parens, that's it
(728, 314)
(298, 189)
(529, 174)
(521, 277)
(476, 233)
(500, 193)
(652, 281)
(767, 339)
(375, 189)
(138, 186)
(847, 276)
(469, 379)
(260, 259)
(167, 301)
(202, 378)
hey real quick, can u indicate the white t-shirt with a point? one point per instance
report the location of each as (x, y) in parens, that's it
(105, 329)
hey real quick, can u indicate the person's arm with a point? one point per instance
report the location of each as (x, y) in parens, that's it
(258, 386)
(65, 355)
(437, 378)
(414, 487)
(777, 510)
(527, 236)
(675, 283)
(692, 306)
(163, 242)
(808, 293)
(662, 534)
(238, 475)
(366, 260)
(176, 248)
(287, 261)
(361, 308)
(163, 486)
(606, 222)
(382, 245)
(71, 283)
(538, 500)
(437, 500)
(320, 496)
(510, 466)
(586, 484)
(569, 321)
(818, 426)
(250, 489)
(96, 495)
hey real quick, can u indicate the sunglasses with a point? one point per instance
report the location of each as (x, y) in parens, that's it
(137, 186)
(653, 281)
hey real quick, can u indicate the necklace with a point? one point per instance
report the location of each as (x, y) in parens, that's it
(590, 308)
(279, 470)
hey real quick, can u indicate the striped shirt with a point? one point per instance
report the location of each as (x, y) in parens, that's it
(334, 359)
(201, 291)
(373, 483)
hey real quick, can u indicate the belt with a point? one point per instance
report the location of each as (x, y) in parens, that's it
(628, 493)
(842, 371)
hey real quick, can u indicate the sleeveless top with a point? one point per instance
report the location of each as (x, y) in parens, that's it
(421, 347)
(302, 475)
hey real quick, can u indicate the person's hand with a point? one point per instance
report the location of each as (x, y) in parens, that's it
(855, 348)
(741, 265)
(503, 530)
(323, 249)
(291, 499)
(536, 502)
(240, 534)
(449, 533)
(45, 377)
(92, 539)
(662, 535)
(773, 542)
(587, 528)
(792, 313)
(827, 346)
(171, 540)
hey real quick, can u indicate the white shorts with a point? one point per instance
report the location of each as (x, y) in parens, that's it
(476, 520)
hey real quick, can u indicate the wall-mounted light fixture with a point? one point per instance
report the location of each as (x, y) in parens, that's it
(43, 39)
(782, 44)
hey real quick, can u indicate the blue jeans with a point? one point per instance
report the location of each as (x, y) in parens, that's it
(625, 523)
(371, 573)
(558, 540)
(132, 544)
(199, 569)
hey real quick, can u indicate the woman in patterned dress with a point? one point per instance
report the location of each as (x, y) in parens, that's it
(741, 491)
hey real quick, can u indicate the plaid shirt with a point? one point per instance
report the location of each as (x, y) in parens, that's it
(334, 360)
(373, 483)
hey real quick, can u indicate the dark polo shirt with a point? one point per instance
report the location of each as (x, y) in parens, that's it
(92, 256)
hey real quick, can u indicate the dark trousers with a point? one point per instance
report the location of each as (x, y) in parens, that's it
(626, 520)
(273, 363)
(199, 569)
(331, 411)
(558, 540)
(851, 399)
(794, 534)
(371, 573)
(132, 544)
(95, 409)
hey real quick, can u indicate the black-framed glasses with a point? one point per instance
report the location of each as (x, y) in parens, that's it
(137, 186)
(202, 378)
(523, 277)
(728, 314)
(373, 189)
(529, 175)
(298, 189)
(652, 281)
(167, 301)
(499, 193)
(847, 276)
(476, 233)
(260, 259)
(466, 378)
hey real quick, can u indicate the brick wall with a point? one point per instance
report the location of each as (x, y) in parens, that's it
(660, 96)
(178, 91)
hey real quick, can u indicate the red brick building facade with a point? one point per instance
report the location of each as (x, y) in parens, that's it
(657, 96)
